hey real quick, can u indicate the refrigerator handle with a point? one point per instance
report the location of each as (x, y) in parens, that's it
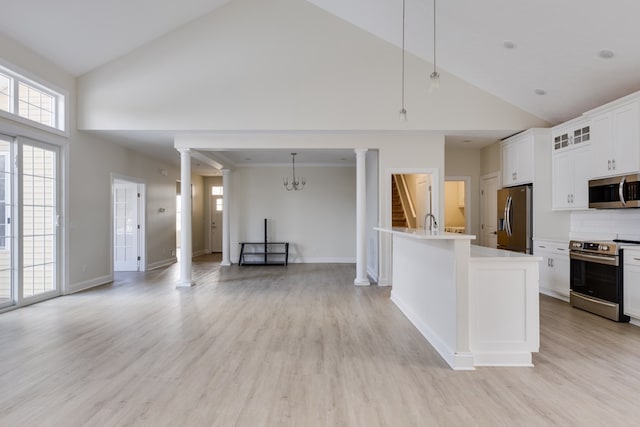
(508, 215)
(504, 215)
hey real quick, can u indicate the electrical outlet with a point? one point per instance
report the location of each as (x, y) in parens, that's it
(84, 268)
(173, 252)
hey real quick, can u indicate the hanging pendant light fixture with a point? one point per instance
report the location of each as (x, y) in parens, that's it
(434, 78)
(295, 184)
(403, 111)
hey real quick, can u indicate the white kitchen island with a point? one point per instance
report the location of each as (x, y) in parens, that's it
(477, 306)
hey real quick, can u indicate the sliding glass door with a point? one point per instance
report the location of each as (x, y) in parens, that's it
(29, 233)
(39, 219)
(7, 289)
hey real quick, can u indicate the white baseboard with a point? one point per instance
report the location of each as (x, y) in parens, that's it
(372, 276)
(88, 284)
(322, 261)
(163, 263)
(554, 294)
(457, 361)
(199, 253)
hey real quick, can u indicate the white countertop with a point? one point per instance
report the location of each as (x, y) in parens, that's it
(422, 234)
(500, 254)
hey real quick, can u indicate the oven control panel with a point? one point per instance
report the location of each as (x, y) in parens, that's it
(604, 248)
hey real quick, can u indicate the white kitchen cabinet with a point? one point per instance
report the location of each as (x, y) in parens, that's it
(517, 159)
(616, 140)
(554, 268)
(631, 292)
(571, 134)
(571, 173)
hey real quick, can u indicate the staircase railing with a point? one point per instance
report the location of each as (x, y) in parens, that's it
(405, 199)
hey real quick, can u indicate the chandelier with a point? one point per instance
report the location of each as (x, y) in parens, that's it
(295, 184)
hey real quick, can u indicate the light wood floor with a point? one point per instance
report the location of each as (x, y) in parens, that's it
(291, 346)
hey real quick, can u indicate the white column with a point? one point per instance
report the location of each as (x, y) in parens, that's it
(226, 205)
(361, 218)
(185, 225)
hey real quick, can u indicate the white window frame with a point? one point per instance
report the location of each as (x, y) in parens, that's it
(60, 100)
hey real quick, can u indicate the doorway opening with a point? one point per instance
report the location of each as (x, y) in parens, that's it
(456, 204)
(128, 224)
(412, 198)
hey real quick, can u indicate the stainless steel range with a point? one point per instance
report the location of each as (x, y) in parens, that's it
(596, 278)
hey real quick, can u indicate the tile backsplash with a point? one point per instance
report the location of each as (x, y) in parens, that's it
(625, 223)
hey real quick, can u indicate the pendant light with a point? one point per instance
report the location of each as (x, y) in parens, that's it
(403, 111)
(295, 184)
(434, 78)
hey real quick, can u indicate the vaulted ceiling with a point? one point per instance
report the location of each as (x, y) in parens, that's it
(554, 59)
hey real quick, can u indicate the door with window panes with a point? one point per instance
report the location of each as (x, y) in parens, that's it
(29, 232)
(7, 289)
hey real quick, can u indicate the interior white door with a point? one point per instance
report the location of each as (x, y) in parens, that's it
(216, 223)
(126, 227)
(489, 195)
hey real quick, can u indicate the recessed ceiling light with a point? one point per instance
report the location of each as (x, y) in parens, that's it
(509, 44)
(540, 92)
(605, 54)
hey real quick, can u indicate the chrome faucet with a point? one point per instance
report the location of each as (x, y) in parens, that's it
(433, 224)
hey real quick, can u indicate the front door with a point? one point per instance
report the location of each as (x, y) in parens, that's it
(216, 219)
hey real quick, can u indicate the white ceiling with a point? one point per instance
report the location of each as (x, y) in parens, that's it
(556, 42)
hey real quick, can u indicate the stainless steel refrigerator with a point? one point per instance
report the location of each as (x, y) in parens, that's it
(515, 222)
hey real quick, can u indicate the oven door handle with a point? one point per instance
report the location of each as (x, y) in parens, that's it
(594, 258)
(621, 191)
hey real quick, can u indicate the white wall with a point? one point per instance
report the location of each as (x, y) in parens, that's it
(90, 161)
(603, 223)
(318, 222)
(279, 64)
(93, 160)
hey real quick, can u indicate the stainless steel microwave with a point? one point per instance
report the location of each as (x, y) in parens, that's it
(615, 193)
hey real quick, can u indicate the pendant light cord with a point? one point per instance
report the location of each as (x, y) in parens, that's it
(403, 14)
(434, 36)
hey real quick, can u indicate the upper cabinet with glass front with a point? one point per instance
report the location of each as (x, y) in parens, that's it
(571, 134)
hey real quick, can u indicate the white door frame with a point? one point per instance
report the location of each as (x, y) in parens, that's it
(142, 217)
(483, 178)
(467, 200)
